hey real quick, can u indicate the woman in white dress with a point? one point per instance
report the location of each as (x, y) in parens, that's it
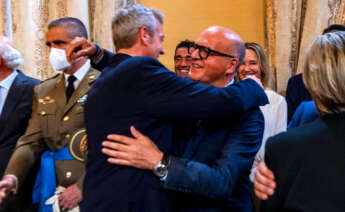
(275, 113)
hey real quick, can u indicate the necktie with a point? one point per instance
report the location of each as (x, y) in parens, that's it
(70, 86)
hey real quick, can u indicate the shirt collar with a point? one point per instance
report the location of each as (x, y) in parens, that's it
(230, 83)
(80, 73)
(7, 82)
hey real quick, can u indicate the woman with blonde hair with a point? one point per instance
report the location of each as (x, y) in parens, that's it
(309, 161)
(275, 113)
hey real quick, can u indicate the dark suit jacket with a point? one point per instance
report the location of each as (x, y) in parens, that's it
(213, 172)
(308, 164)
(15, 116)
(295, 94)
(142, 92)
(13, 122)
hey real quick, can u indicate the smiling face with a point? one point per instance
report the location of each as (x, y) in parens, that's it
(250, 65)
(215, 69)
(182, 61)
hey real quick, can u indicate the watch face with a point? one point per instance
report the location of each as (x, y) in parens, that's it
(160, 170)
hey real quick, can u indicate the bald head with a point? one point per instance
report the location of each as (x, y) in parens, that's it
(224, 40)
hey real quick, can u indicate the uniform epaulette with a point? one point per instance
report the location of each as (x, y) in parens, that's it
(53, 77)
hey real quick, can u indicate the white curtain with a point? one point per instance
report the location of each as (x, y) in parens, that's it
(25, 22)
(291, 25)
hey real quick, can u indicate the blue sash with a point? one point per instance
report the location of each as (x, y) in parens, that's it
(45, 184)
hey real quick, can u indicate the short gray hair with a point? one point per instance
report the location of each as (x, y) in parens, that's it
(11, 56)
(127, 22)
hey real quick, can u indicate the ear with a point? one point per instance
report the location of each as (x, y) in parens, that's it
(144, 36)
(231, 67)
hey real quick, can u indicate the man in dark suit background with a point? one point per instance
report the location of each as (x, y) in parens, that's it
(295, 94)
(16, 93)
(143, 92)
(212, 173)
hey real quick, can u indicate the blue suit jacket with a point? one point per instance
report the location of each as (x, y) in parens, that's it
(306, 112)
(13, 122)
(213, 172)
(142, 92)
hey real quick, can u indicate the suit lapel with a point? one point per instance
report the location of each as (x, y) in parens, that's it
(13, 98)
(83, 88)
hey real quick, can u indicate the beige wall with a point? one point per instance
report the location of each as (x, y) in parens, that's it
(186, 19)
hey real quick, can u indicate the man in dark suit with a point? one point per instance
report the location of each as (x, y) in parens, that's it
(212, 173)
(143, 92)
(16, 92)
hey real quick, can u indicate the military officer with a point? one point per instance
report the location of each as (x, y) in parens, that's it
(56, 128)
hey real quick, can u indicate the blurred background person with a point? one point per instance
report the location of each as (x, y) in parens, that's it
(295, 94)
(182, 57)
(275, 113)
(293, 156)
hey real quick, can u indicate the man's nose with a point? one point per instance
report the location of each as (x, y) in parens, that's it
(184, 62)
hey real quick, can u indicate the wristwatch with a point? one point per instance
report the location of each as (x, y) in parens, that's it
(161, 169)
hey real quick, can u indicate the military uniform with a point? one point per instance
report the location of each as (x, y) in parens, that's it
(51, 127)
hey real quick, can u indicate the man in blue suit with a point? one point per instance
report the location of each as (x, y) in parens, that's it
(16, 94)
(141, 91)
(212, 173)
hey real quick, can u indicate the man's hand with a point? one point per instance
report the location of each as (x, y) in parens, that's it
(70, 197)
(264, 183)
(7, 184)
(139, 152)
(79, 47)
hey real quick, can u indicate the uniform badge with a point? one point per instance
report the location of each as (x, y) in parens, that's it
(78, 145)
(82, 99)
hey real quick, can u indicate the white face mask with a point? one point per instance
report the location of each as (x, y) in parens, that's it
(58, 59)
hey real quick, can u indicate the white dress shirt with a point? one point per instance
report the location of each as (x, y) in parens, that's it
(275, 115)
(79, 74)
(5, 86)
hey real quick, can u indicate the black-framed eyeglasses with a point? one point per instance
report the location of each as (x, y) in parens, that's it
(204, 52)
